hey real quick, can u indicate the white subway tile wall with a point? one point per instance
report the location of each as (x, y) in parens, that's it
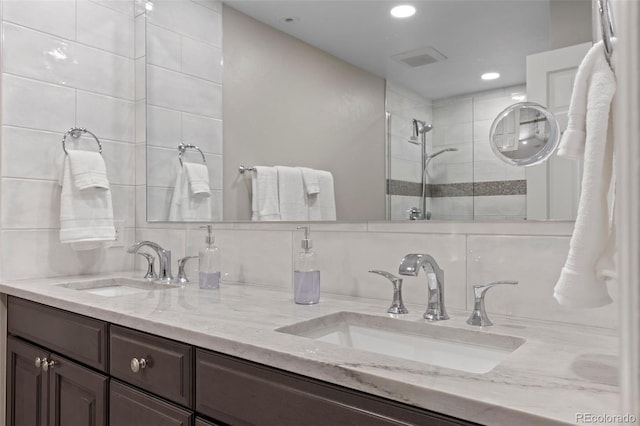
(66, 63)
(184, 96)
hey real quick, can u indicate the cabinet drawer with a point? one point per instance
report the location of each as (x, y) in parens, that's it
(167, 367)
(130, 407)
(78, 337)
(238, 392)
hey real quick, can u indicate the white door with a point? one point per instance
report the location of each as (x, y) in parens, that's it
(553, 188)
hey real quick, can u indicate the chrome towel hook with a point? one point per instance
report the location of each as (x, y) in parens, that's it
(75, 133)
(183, 147)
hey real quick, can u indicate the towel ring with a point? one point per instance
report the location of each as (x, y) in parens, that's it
(183, 147)
(75, 133)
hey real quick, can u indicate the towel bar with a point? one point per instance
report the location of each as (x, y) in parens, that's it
(242, 169)
(183, 147)
(75, 133)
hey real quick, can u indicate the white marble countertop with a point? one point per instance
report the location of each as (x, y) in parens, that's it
(560, 371)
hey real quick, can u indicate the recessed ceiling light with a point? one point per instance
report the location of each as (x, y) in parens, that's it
(490, 76)
(403, 11)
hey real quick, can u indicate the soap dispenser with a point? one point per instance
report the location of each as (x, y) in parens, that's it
(210, 265)
(306, 275)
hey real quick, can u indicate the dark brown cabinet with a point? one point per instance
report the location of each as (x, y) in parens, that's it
(162, 366)
(26, 385)
(130, 407)
(239, 392)
(47, 389)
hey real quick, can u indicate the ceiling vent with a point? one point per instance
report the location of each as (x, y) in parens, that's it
(420, 57)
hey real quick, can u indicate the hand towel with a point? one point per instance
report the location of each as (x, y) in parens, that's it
(88, 170)
(322, 206)
(291, 194)
(589, 265)
(198, 175)
(86, 215)
(310, 180)
(187, 206)
(264, 194)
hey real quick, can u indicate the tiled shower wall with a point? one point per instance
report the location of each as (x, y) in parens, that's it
(65, 63)
(403, 105)
(493, 190)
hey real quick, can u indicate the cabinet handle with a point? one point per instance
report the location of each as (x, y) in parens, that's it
(38, 362)
(46, 365)
(137, 364)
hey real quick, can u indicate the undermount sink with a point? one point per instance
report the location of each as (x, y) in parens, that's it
(438, 345)
(112, 287)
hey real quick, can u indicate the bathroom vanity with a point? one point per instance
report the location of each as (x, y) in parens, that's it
(185, 356)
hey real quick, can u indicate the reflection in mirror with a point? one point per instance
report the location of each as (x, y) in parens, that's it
(525, 134)
(344, 100)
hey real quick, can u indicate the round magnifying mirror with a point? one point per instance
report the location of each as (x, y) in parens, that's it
(524, 134)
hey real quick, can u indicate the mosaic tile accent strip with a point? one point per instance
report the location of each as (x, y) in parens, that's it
(464, 189)
(406, 188)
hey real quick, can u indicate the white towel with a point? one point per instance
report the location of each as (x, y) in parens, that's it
(88, 170)
(589, 266)
(185, 205)
(310, 180)
(264, 194)
(198, 175)
(322, 206)
(86, 215)
(291, 194)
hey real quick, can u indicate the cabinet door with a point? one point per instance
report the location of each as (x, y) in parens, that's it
(26, 385)
(77, 395)
(130, 407)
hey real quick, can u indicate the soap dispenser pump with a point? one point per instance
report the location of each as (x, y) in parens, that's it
(306, 275)
(209, 263)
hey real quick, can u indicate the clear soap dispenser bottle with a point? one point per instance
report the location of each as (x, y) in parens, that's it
(306, 275)
(210, 264)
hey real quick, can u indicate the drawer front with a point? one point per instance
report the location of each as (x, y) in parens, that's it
(130, 407)
(167, 367)
(75, 336)
(203, 422)
(238, 392)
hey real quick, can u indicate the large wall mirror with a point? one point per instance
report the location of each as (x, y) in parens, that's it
(397, 110)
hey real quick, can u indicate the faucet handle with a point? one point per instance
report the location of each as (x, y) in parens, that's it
(479, 315)
(182, 276)
(397, 306)
(151, 273)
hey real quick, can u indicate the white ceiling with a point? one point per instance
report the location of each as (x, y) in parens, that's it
(476, 36)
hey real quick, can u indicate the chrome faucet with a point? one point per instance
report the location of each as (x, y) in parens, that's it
(397, 305)
(164, 259)
(410, 265)
(479, 315)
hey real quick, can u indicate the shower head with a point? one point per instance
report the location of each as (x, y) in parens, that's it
(419, 128)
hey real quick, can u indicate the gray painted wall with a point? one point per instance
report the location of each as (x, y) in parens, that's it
(288, 103)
